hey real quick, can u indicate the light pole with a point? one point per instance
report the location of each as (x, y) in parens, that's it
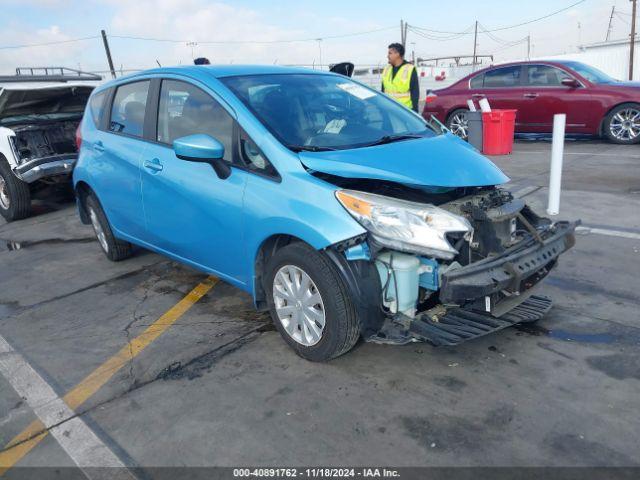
(320, 50)
(192, 44)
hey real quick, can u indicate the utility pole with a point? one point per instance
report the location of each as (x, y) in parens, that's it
(108, 52)
(402, 32)
(192, 44)
(613, 11)
(633, 38)
(475, 46)
(320, 50)
(404, 42)
(413, 52)
(528, 47)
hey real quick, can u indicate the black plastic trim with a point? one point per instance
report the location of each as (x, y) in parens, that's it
(506, 271)
(363, 283)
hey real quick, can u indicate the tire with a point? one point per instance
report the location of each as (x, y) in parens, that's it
(15, 196)
(622, 124)
(341, 329)
(114, 249)
(458, 123)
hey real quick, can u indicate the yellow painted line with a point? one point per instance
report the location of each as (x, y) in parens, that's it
(17, 448)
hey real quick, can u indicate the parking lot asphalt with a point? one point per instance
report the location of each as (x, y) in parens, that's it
(211, 383)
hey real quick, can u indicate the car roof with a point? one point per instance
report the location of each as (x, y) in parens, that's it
(205, 72)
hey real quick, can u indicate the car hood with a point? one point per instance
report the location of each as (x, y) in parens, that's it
(441, 161)
(16, 102)
(621, 83)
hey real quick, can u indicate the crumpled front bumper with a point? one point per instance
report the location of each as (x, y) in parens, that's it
(514, 271)
(46, 167)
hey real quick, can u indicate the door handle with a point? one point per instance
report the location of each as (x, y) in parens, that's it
(477, 95)
(154, 165)
(530, 95)
(98, 146)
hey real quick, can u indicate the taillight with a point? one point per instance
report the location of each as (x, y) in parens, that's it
(79, 136)
(430, 98)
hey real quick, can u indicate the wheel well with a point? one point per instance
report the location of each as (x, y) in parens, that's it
(82, 191)
(452, 111)
(604, 117)
(267, 250)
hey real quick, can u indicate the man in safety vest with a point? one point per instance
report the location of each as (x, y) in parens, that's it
(400, 79)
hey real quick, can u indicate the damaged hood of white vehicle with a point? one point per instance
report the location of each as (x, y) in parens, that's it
(17, 102)
(440, 161)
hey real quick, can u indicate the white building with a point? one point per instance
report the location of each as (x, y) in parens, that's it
(611, 57)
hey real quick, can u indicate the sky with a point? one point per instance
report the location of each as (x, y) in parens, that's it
(192, 23)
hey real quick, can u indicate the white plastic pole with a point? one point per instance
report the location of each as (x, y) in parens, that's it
(471, 105)
(557, 153)
(484, 105)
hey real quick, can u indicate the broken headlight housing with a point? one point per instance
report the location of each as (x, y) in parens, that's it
(403, 225)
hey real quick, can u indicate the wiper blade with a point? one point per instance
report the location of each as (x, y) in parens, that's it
(310, 148)
(394, 138)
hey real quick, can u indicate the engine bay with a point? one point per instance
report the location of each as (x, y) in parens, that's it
(44, 139)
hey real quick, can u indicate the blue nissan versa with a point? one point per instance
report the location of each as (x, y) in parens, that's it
(339, 210)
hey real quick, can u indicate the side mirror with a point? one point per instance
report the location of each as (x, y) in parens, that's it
(205, 149)
(570, 82)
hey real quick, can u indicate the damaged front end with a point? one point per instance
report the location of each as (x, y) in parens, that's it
(45, 149)
(40, 121)
(445, 265)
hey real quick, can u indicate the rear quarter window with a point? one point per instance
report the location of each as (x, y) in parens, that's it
(477, 81)
(96, 106)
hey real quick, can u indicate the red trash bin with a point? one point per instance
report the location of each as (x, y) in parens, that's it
(497, 131)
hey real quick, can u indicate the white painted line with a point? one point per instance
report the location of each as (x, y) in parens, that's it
(74, 435)
(612, 154)
(610, 233)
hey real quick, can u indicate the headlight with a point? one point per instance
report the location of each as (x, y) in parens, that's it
(402, 225)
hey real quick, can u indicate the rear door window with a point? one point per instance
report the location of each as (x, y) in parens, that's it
(503, 77)
(186, 110)
(128, 110)
(545, 76)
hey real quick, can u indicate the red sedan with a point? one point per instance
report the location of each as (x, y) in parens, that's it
(595, 103)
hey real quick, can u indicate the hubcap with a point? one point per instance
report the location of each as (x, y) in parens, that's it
(459, 125)
(4, 194)
(97, 228)
(625, 125)
(299, 305)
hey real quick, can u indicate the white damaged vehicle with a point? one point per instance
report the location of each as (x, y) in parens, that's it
(40, 110)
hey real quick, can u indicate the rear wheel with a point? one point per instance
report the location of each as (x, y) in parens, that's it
(310, 304)
(458, 123)
(113, 248)
(622, 125)
(15, 196)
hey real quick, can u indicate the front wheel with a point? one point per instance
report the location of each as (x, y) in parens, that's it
(15, 196)
(622, 125)
(458, 123)
(310, 304)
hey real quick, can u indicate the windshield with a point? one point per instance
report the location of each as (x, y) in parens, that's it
(590, 73)
(323, 112)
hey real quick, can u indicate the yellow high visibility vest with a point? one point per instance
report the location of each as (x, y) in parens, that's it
(399, 86)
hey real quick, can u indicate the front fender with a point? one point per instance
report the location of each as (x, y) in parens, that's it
(307, 210)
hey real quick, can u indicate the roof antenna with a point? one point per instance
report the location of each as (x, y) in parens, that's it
(158, 63)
